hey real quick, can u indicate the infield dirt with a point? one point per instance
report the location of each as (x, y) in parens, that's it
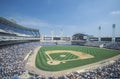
(80, 55)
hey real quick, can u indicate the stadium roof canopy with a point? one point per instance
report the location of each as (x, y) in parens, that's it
(12, 24)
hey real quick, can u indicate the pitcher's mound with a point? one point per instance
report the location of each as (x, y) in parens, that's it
(53, 62)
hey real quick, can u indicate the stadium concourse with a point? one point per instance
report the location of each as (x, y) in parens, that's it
(18, 42)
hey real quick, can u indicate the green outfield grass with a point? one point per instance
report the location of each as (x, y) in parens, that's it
(98, 53)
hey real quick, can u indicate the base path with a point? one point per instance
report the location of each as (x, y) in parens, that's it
(80, 55)
(30, 66)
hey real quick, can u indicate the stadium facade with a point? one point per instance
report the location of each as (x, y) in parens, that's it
(11, 32)
(90, 40)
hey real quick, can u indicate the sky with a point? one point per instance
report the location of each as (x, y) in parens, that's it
(65, 17)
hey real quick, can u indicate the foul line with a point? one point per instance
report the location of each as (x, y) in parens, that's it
(49, 56)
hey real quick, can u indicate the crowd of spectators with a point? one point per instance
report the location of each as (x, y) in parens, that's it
(11, 59)
(109, 71)
(12, 65)
(115, 45)
(109, 45)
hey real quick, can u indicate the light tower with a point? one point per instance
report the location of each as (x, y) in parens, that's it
(99, 39)
(113, 33)
(52, 34)
(61, 34)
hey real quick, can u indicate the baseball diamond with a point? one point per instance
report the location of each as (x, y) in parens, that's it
(59, 58)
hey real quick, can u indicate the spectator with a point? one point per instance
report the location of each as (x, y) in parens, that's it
(11, 59)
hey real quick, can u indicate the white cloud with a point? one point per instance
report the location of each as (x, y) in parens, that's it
(33, 23)
(115, 12)
(30, 21)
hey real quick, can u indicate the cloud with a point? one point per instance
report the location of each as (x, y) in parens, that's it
(115, 12)
(34, 22)
(30, 21)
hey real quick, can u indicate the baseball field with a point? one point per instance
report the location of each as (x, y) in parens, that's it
(58, 58)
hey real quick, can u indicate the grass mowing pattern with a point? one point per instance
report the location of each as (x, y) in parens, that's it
(56, 56)
(99, 54)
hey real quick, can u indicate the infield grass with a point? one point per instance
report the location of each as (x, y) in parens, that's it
(57, 56)
(98, 53)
